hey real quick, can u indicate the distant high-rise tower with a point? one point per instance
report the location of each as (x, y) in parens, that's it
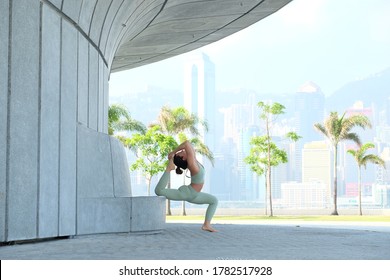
(309, 109)
(309, 103)
(199, 92)
(199, 96)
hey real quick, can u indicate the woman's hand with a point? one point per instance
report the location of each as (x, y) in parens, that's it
(171, 166)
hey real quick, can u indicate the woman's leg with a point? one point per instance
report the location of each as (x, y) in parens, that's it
(212, 201)
(162, 184)
(173, 194)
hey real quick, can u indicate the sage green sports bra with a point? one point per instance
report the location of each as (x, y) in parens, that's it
(198, 178)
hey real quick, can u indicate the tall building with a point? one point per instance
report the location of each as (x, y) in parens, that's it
(309, 103)
(199, 92)
(317, 163)
(199, 97)
(308, 109)
(237, 118)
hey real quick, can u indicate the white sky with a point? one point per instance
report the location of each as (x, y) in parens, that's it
(329, 42)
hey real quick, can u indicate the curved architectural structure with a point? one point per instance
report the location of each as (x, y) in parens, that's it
(60, 173)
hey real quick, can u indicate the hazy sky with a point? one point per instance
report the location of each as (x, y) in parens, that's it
(330, 42)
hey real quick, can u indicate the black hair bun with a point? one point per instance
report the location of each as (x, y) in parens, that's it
(179, 171)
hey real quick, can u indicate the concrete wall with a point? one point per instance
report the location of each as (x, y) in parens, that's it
(60, 173)
(4, 39)
(58, 167)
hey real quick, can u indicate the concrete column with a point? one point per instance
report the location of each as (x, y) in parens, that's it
(24, 114)
(4, 36)
(68, 131)
(49, 123)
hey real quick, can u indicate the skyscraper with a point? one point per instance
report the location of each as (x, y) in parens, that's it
(308, 109)
(199, 98)
(199, 93)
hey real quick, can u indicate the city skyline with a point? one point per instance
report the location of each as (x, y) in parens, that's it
(237, 124)
(149, 88)
(326, 41)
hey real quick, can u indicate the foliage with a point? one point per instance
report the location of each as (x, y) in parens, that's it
(119, 119)
(180, 120)
(362, 159)
(338, 129)
(264, 153)
(151, 149)
(258, 158)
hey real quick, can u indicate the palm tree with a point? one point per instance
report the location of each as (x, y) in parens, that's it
(338, 129)
(362, 159)
(176, 122)
(119, 119)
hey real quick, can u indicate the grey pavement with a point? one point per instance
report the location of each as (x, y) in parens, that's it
(186, 241)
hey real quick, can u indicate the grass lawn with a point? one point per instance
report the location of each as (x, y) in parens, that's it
(340, 218)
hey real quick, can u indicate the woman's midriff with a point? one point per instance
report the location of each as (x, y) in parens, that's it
(197, 187)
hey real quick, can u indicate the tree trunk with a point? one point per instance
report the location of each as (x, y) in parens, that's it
(269, 168)
(169, 213)
(360, 191)
(183, 208)
(269, 191)
(266, 194)
(335, 183)
(183, 204)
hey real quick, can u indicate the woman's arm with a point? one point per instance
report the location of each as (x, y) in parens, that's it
(187, 146)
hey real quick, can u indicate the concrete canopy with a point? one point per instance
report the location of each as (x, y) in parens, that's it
(161, 29)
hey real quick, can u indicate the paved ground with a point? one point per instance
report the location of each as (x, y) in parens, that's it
(184, 241)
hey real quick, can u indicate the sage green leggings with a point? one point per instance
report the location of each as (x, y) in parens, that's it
(187, 193)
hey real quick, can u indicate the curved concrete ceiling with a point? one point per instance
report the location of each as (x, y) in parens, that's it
(132, 33)
(157, 30)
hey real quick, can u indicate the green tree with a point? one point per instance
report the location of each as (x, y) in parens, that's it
(179, 120)
(264, 153)
(362, 159)
(338, 129)
(119, 119)
(178, 123)
(151, 150)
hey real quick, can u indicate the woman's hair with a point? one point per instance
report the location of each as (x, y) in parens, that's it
(180, 163)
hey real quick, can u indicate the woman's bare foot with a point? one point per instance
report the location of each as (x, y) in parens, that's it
(207, 227)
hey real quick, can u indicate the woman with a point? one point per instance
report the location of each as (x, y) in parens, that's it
(181, 158)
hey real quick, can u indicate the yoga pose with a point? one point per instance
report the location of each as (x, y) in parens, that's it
(181, 158)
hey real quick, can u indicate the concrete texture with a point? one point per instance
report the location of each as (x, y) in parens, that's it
(55, 87)
(50, 110)
(94, 176)
(120, 167)
(147, 213)
(23, 126)
(4, 35)
(185, 241)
